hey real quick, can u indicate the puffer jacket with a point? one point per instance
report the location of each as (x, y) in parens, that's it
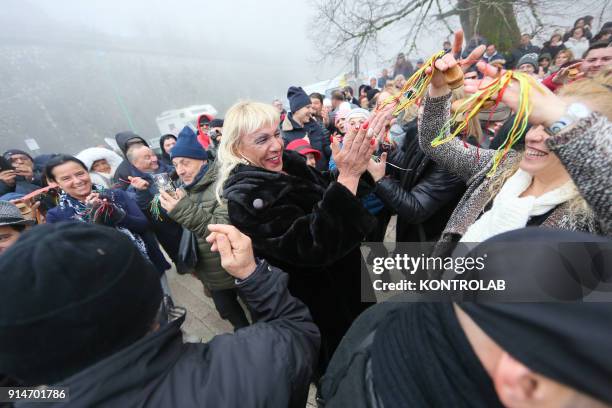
(194, 212)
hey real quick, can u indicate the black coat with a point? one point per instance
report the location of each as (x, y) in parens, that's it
(318, 136)
(268, 364)
(517, 53)
(424, 197)
(552, 50)
(125, 168)
(311, 227)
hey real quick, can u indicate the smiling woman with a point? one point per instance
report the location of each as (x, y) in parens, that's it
(530, 188)
(82, 201)
(310, 223)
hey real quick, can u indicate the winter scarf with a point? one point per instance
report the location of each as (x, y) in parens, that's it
(510, 212)
(82, 214)
(421, 358)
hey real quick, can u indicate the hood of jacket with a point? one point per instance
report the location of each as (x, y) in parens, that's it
(203, 138)
(122, 137)
(162, 140)
(93, 154)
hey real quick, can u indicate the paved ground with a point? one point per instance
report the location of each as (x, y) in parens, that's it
(202, 321)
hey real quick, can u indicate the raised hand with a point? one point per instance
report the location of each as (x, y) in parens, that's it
(235, 249)
(8, 177)
(569, 73)
(25, 171)
(439, 85)
(138, 183)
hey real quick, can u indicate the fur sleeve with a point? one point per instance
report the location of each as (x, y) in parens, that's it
(328, 232)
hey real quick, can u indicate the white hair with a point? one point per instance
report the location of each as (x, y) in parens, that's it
(241, 119)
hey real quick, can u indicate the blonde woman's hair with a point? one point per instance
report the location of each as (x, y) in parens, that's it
(595, 92)
(566, 51)
(473, 128)
(241, 119)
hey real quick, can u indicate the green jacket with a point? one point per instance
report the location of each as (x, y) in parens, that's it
(194, 212)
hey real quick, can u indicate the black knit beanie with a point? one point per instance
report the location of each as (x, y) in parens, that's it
(71, 294)
(297, 98)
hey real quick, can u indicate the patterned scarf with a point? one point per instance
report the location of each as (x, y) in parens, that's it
(83, 213)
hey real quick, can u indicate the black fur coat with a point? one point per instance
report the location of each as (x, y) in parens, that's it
(307, 224)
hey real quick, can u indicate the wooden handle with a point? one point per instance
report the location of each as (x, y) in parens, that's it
(454, 77)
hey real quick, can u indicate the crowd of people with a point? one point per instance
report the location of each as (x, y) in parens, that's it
(267, 208)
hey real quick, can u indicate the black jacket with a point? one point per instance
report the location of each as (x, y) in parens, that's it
(125, 168)
(552, 50)
(167, 231)
(518, 52)
(268, 364)
(318, 136)
(311, 227)
(423, 197)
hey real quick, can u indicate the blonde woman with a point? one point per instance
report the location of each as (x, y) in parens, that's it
(562, 58)
(308, 223)
(533, 188)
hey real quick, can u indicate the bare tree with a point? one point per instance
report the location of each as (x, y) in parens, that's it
(354, 26)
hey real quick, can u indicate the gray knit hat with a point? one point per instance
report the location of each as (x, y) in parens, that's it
(531, 59)
(10, 215)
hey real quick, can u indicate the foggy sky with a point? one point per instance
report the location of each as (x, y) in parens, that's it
(270, 32)
(240, 49)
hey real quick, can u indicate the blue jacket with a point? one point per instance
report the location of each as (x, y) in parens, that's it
(135, 221)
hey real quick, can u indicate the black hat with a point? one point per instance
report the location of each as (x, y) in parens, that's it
(297, 98)
(7, 155)
(216, 123)
(71, 294)
(567, 342)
